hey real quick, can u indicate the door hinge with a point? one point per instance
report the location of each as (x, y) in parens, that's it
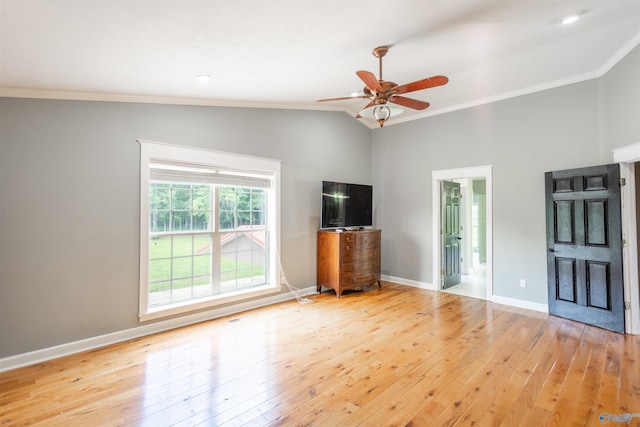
(623, 243)
(627, 305)
(623, 181)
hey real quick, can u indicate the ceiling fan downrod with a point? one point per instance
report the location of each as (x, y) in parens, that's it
(379, 52)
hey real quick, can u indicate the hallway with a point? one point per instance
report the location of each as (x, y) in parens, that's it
(474, 285)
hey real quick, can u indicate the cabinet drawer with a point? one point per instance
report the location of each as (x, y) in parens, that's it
(347, 239)
(360, 239)
(360, 266)
(348, 249)
(367, 240)
(359, 278)
(365, 255)
(361, 254)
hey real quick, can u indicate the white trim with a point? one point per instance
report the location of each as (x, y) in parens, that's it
(494, 98)
(24, 93)
(13, 362)
(485, 172)
(619, 55)
(153, 151)
(535, 306)
(194, 305)
(627, 156)
(629, 251)
(407, 282)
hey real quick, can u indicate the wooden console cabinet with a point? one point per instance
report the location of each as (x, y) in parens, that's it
(348, 259)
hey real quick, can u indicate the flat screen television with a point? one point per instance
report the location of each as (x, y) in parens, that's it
(346, 205)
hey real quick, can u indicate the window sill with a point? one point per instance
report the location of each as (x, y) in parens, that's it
(204, 303)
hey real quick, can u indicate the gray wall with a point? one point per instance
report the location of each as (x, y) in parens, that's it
(69, 189)
(69, 194)
(619, 104)
(524, 137)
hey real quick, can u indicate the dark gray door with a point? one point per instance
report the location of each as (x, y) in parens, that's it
(584, 245)
(450, 234)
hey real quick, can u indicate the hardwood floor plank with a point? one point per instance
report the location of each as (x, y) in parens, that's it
(586, 409)
(549, 393)
(390, 356)
(630, 369)
(566, 407)
(609, 398)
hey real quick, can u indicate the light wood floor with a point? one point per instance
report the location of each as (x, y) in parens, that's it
(395, 356)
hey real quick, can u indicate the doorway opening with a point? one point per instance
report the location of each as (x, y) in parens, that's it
(473, 231)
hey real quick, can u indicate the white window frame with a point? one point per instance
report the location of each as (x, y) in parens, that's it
(151, 152)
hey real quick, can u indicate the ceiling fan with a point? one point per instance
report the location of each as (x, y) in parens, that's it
(380, 92)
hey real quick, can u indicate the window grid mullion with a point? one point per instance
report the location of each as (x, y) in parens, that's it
(215, 240)
(243, 216)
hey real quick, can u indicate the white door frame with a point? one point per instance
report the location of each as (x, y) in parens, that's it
(627, 156)
(448, 174)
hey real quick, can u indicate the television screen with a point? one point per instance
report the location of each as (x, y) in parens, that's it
(346, 205)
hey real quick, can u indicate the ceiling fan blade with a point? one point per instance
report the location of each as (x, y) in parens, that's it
(421, 84)
(344, 98)
(358, 116)
(369, 79)
(409, 102)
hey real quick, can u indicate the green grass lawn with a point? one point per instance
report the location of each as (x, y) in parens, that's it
(191, 259)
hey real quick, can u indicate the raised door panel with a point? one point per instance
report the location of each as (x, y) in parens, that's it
(598, 281)
(566, 280)
(565, 230)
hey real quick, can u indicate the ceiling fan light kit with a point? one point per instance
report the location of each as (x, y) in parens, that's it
(380, 92)
(378, 112)
(381, 114)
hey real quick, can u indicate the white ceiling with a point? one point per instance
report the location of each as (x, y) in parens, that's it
(287, 54)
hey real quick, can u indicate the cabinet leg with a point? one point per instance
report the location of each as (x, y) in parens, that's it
(379, 284)
(318, 288)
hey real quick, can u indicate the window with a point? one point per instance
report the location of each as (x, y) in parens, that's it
(209, 230)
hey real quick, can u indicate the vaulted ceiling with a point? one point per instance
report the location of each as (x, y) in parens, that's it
(288, 54)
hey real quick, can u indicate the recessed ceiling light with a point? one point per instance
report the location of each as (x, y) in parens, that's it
(570, 19)
(203, 77)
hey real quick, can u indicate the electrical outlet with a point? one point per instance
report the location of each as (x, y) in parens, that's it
(523, 283)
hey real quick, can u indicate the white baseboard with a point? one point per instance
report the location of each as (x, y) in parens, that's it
(535, 306)
(407, 282)
(17, 361)
(544, 308)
